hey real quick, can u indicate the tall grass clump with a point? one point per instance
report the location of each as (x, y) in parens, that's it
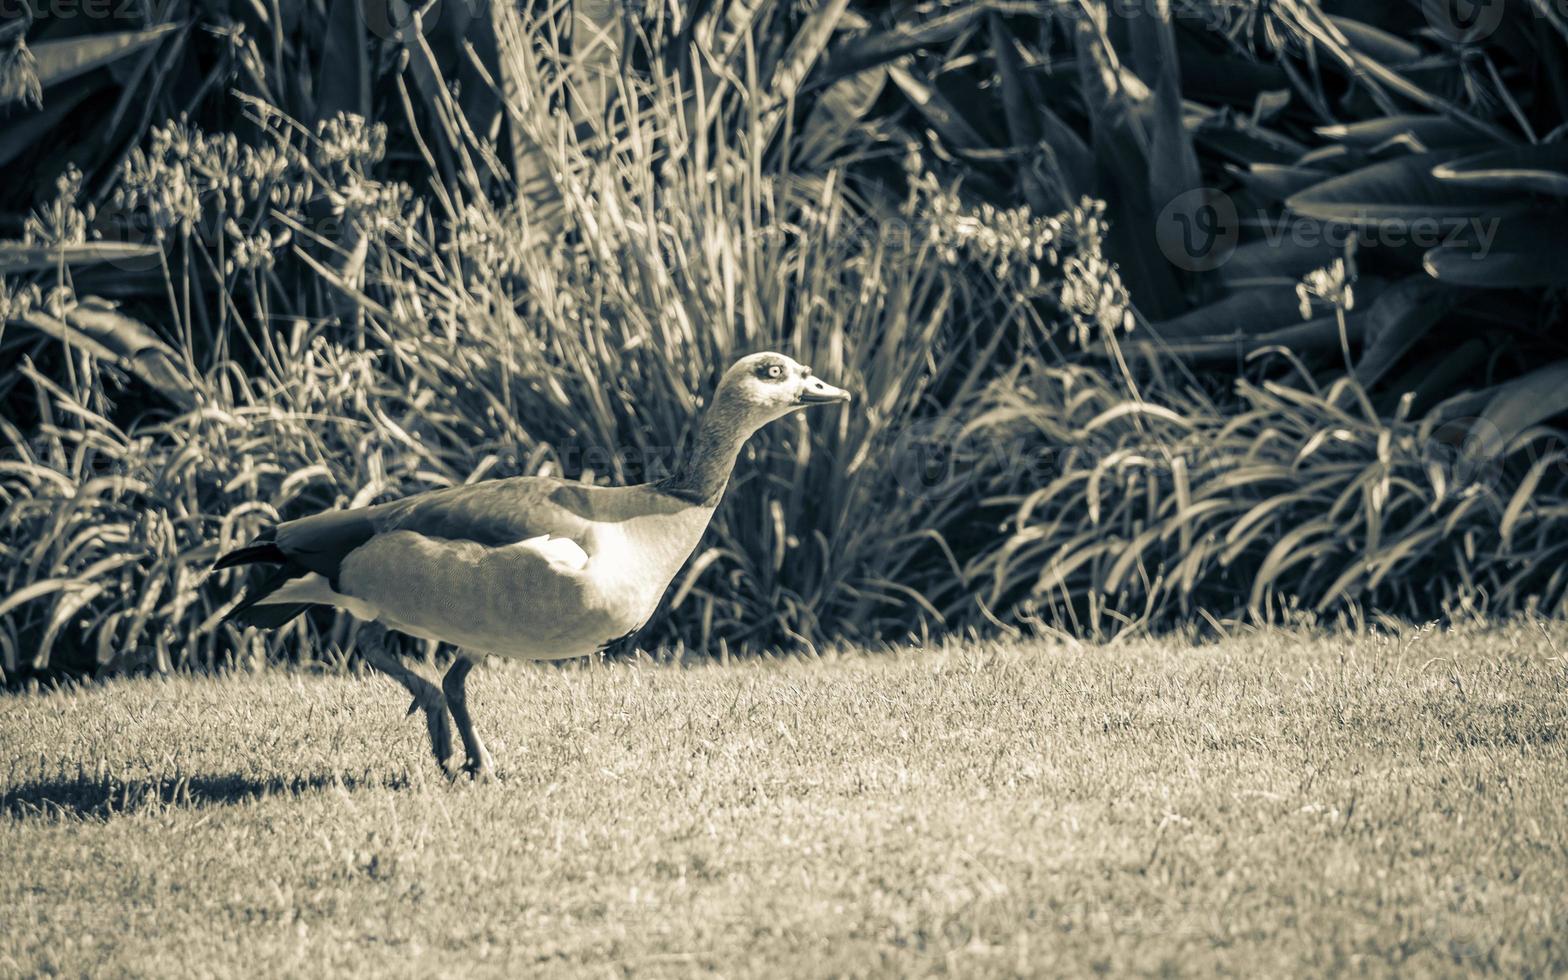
(556, 302)
(1283, 503)
(666, 250)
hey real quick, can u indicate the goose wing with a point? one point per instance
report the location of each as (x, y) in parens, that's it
(495, 513)
(550, 515)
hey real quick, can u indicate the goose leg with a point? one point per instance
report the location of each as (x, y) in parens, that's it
(480, 765)
(427, 697)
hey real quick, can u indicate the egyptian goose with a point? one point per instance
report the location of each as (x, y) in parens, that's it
(535, 568)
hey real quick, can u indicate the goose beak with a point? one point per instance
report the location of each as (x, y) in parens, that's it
(818, 392)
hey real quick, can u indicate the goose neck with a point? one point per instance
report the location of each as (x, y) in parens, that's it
(705, 471)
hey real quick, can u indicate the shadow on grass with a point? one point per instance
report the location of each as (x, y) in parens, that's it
(100, 797)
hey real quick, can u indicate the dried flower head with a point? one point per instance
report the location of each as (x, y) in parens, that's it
(1330, 285)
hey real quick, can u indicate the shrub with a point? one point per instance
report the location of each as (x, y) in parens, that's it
(567, 325)
(1284, 503)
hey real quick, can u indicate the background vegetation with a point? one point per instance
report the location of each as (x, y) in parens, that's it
(1142, 303)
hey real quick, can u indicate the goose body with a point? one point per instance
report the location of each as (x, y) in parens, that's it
(532, 568)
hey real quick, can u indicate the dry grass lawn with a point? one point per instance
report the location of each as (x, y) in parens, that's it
(1268, 804)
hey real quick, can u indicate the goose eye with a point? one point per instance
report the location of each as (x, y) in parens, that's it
(773, 372)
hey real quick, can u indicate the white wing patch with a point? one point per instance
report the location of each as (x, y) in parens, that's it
(558, 551)
(315, 588)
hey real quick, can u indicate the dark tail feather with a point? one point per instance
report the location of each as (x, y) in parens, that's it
(250, 612)
(265, 617)
(257, 552)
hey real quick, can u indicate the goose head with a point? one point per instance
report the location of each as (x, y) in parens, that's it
(762, 387)
(757, 390)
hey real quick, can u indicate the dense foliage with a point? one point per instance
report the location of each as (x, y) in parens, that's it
(301, 256)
